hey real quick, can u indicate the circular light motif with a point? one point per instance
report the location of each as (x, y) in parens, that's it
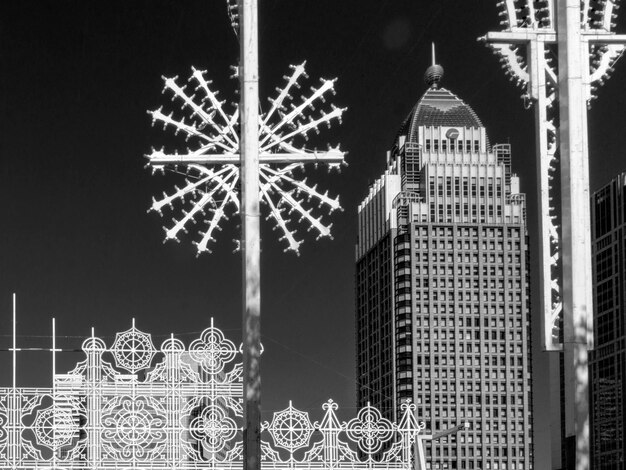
(133, 350)
(54, 427)
(291, 429)
(133, 427)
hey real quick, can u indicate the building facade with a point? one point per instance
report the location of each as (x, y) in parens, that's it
(442, 307)
(608, 360)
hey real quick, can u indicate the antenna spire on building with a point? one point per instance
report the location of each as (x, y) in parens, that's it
(434, 73)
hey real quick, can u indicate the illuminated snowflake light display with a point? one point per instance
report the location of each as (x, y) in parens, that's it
(211, 161)
(132, 405)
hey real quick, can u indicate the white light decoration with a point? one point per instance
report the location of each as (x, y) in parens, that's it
(211, 161)
(131, 405)
(528, 52)
(560, 52)
(232, 8)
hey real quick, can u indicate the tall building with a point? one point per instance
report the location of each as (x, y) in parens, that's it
(608, 360)
(442, 287)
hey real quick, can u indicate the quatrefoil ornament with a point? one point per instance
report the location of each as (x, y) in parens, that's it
(369, 430)
(212, 351)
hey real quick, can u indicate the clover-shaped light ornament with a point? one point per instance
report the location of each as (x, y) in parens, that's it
(212, 350)
(370, 430)
(213, 428)
(210, 165)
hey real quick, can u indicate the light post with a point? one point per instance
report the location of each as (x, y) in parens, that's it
(560, 51)
(251, 250)
(262, 155)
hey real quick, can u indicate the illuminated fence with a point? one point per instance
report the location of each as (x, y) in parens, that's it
(129, 405)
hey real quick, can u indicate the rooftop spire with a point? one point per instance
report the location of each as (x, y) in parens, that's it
(434, 73)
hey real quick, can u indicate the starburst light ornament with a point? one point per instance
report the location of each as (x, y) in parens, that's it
(211, 162)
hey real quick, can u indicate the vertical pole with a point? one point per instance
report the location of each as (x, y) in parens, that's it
(14, 420)
(54, 394)
(576, 245)
(251, 269)
(14, 342)
(538, 93)
(54, 350)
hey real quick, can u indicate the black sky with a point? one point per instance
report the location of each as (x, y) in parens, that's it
(75, 239)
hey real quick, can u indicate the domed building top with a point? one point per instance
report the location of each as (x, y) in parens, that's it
(438, 107)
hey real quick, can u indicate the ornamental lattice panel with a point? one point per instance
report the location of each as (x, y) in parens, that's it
(131, 405)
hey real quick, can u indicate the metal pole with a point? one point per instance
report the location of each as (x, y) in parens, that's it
(545, 154)
(576, 246)
(14, 438)
(14, 342)
(251, 239)
(54, 395)
(54, 350)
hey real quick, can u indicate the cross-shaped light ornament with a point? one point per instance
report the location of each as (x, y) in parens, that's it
(530, 49)
(211, 163)
(560, 52)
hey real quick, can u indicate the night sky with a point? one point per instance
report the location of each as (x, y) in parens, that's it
(76, 242)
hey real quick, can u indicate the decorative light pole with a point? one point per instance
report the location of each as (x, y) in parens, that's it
(560, 51)
(251, 269)
(260, 157)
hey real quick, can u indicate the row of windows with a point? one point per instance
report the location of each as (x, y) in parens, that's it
(478, 187)
(439, 347)
(463, 309)
(472, 231)
(493, 335)
(467, 270)
(463, 399)
(479, 466)
(448, 244)
(471, 257)
(464, 322)
(452, 145)
(495, 296)
(468, 401)
(468, 283)
(484, 211)
(442, 386)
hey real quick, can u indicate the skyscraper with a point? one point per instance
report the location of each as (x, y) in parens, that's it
(442, 287)
(608, 360)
